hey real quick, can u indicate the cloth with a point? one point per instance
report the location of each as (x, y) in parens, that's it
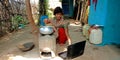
(88, 2)
(62, 38)
(95, 3)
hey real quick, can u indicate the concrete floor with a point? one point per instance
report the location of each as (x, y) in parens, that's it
(9, 50)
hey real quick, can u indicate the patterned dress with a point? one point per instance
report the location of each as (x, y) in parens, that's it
(60, 26)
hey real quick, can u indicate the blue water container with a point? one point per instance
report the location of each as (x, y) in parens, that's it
(42, 20)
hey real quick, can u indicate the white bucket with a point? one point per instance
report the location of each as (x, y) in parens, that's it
(95, 36)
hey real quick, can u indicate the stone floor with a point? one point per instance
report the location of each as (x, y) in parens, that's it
(9, 50)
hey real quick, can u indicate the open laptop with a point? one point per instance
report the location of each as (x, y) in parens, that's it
(73, 50)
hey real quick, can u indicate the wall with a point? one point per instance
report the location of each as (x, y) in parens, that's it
(71, 8)
(67, 7)
(112, 34)
(98, 16)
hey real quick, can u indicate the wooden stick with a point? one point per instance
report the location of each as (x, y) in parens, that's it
(29, 16)
(78, 11)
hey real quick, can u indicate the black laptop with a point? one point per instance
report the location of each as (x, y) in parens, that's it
(73, 50)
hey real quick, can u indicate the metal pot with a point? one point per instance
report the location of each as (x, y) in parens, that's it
(46, 30)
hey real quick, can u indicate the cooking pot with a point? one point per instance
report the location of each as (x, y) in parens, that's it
(46, 30)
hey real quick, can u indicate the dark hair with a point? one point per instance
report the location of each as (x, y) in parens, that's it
(58, 10)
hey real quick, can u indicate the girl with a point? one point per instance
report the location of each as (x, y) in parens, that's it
(60, 26)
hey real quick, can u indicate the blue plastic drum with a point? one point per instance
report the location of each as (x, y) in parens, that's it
(42, 20)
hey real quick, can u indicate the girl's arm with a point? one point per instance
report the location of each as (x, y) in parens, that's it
(49, 21)
(67, 33)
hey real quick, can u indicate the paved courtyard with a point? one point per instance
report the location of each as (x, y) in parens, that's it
(10, 51)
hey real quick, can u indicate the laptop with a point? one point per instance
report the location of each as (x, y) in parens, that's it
(73, 50)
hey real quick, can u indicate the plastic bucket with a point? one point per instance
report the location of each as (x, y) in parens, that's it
(42, 20)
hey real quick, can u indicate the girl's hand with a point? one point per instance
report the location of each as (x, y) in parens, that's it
(47, 21)
(69, 41)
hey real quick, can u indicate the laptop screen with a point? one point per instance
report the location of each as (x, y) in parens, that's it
(76, 49)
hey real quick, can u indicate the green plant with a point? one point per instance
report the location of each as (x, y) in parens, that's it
(17, 21)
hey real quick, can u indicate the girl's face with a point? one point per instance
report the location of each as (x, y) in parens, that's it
(58, 16)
